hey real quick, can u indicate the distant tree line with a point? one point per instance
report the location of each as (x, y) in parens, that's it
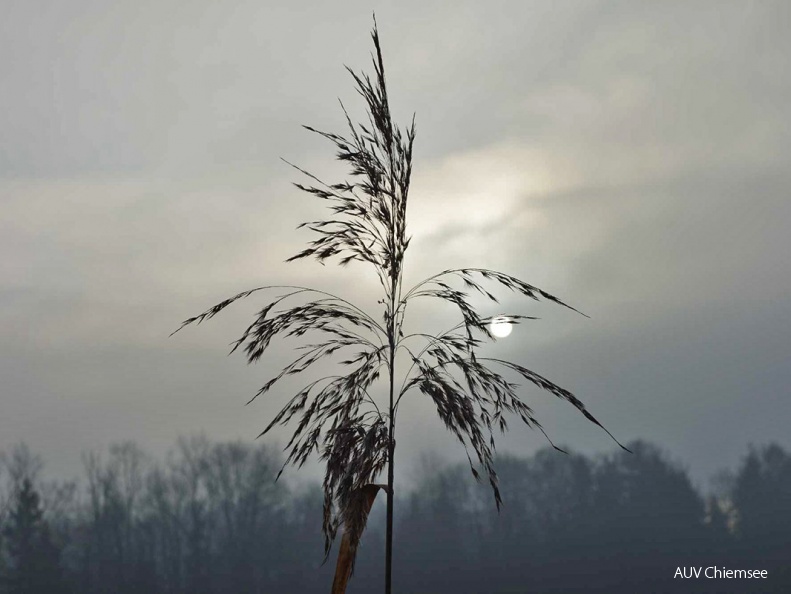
(212, 519)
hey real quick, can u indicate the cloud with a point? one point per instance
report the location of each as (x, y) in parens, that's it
(628, 157)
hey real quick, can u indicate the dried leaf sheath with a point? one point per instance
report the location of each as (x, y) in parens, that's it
(348, 550)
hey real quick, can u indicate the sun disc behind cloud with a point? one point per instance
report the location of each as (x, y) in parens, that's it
(501, 326)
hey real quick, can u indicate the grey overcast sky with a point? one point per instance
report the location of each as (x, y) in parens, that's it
(629, 157)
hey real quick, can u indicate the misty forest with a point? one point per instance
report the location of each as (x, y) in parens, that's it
(211, 518)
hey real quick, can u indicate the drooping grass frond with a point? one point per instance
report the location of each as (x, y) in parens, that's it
(214, 310)
(326, 414)
(552, 388)
(355, 453)
(487, 397)
(505, 280)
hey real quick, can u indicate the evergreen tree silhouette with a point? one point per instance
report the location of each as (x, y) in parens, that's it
(762, 497)
(33, 558)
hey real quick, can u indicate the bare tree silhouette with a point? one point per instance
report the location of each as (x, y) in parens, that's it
(338, 417)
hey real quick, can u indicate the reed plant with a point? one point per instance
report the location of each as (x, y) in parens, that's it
(337, 418)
